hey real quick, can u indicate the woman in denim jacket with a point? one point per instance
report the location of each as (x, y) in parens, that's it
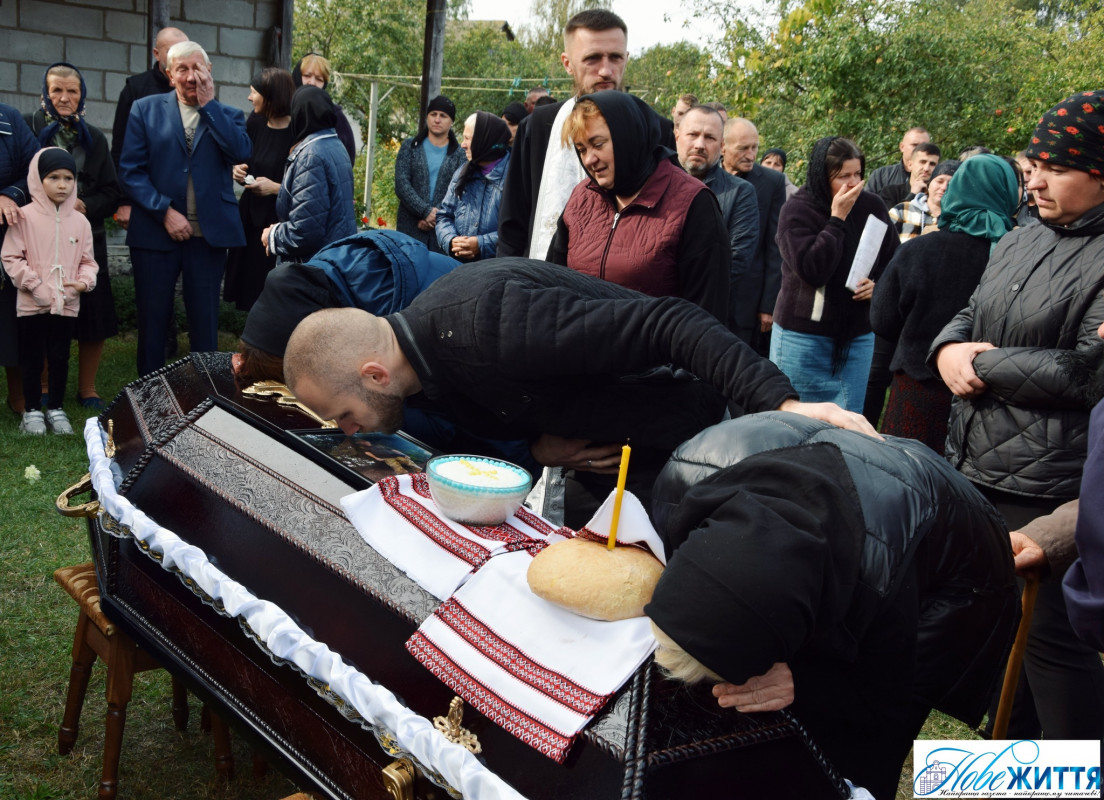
(467, 221)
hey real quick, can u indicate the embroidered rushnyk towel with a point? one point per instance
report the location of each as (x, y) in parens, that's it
(398, 518)
(532, 668)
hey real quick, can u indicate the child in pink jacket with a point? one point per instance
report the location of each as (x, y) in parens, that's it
(48, 255)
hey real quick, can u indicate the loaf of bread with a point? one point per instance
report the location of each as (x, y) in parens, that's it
(591, 580)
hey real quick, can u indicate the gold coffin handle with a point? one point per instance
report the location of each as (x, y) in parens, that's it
(90, 509)
(398, 779)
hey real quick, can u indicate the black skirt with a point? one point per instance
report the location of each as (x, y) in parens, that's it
(9, 339)
(97, 320)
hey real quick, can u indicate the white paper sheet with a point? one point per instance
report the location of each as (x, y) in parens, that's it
(869, 244)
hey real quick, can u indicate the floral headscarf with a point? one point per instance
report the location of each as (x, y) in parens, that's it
(1072, 134)
(74, 122)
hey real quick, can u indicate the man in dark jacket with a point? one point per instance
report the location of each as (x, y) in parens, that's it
(542, 173)
(859, 582)
(155, 80)
(898, 172)
(698, 140)
(520, 349)
(176, 167)
(754, 295)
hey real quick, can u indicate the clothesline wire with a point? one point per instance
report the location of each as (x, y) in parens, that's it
(396, 80)
(410, 78)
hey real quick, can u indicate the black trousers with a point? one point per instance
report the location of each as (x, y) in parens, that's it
(865, 713)
(44, 338)
(1060, 694)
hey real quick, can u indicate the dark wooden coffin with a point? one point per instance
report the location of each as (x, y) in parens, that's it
(223, 472)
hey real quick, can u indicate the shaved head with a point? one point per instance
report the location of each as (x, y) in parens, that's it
(330, 345)
(166, 38)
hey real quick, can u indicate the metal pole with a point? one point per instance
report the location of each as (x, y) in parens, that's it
(158, 19)
(434, 53)
(370, 158)
(287, 22)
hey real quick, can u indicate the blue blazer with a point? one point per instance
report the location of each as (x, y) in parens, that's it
(155, 165)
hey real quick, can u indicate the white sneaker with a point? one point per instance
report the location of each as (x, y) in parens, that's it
(33, 423)
(58, 422)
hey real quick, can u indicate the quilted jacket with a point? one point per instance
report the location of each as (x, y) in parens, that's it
(1042, 294)
(670, 241)
(315, 203)
(475, 213)
(17, 146)
(416, 197)
(917, 522)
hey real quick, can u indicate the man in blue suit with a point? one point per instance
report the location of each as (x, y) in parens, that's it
(176, 166)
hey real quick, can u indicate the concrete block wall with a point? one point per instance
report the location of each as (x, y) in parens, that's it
(106, 41)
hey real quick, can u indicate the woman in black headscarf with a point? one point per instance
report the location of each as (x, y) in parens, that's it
(467, 221)
(60, 123)
(640, 221)
(269, 128)
(822, 338)
(315, 203)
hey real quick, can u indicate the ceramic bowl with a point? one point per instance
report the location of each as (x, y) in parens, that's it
(474, 490)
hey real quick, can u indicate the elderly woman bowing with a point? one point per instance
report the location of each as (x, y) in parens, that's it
(60, 123)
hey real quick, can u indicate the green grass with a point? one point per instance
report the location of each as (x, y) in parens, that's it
(36, 637)
(159, 762)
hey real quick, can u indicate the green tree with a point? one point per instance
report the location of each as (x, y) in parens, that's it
(662, 73)
(971, 71)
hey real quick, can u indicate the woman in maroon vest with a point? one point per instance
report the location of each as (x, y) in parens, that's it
(640, 220)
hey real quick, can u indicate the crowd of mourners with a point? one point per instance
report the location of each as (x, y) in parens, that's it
(953, 298)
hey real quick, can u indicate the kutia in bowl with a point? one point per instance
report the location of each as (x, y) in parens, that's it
(474, 490)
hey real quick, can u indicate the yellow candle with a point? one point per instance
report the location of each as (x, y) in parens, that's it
(618, 495)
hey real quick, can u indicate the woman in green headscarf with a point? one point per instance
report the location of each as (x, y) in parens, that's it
(928, 281)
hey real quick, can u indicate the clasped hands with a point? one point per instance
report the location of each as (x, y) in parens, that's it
(577, 454)
(955, 363)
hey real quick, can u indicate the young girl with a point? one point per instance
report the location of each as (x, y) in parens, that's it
(48, 255)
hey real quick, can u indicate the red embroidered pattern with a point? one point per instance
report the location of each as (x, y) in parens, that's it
(429, 524)
(498, 533)
(508, 717)
(548, 682)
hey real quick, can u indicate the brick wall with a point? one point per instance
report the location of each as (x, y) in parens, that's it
(106, 41)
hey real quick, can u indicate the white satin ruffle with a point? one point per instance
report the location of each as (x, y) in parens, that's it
(285, 640)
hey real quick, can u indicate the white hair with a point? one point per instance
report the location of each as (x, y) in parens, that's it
(677, 664)
(185, 50)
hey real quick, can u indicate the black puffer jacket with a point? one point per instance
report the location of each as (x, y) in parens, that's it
(1042, 294)
(511, 348)
(917, 521)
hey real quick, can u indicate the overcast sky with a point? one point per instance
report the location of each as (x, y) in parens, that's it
(645, 18)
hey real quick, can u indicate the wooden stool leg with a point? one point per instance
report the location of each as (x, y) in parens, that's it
(179, 704)
(83, 659)
(260, 766)
(205, 719)
(224, 754)
(120, 684)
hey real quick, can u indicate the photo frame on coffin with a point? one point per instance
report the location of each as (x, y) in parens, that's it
(362, 459)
